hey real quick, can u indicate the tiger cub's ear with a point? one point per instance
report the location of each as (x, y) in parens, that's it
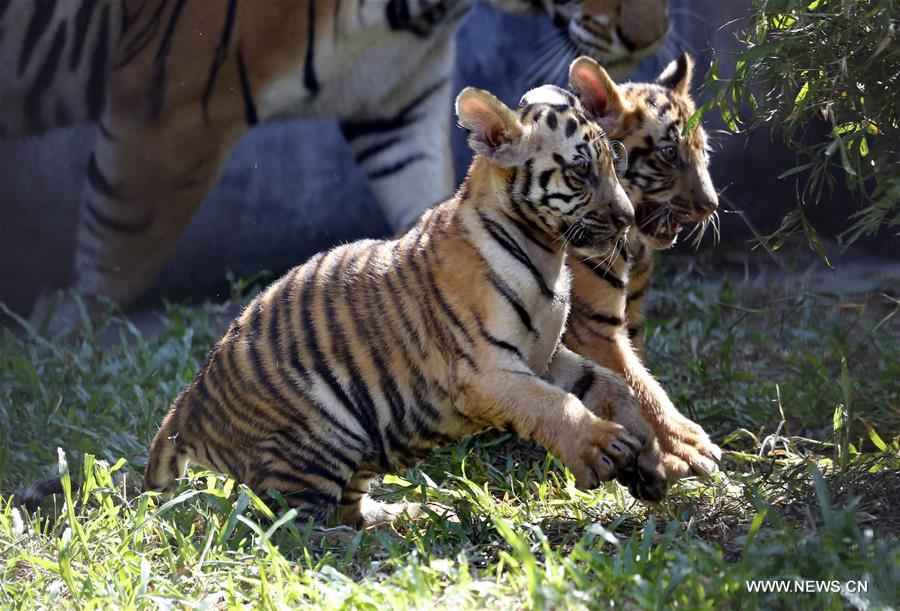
(598, 93)
(494, 129)
(677, 75)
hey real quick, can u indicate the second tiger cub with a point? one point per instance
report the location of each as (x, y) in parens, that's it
(365, 358)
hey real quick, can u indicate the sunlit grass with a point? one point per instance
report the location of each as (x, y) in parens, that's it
(809, 490)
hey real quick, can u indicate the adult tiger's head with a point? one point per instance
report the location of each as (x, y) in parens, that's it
(616, 33)
(667, 175)
(552, 167)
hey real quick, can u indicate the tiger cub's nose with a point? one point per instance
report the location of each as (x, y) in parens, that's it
(623, 220)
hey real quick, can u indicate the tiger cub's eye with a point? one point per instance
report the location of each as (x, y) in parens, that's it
(669, 153)
(581, 168)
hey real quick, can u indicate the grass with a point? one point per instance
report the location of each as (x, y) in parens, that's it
(801, 390)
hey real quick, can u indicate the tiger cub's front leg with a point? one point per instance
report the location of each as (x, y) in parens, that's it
(607, 395)
(686, 448)
(689, 448)
(640, 276)
(594, 449)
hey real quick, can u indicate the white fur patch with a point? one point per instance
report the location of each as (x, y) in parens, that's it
(546, 94)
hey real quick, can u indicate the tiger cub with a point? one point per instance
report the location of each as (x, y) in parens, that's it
(362, 360)
(668, 183)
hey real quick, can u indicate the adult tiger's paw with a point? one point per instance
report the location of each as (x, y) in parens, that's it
(686, 448)
(598, 450)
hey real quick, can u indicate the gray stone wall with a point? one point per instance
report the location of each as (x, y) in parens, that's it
(281, 199)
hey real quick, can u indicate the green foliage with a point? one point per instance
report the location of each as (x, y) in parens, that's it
(833, 67)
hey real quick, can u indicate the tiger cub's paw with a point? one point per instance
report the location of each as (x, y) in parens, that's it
(648, 479)
(597, 451)
(687, 449)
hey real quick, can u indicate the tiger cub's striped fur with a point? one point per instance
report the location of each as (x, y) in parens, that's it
(365, 358)
(668, 182)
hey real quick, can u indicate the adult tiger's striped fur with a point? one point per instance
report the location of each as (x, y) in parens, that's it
(363, 359)
(668, 182)
(173, 84)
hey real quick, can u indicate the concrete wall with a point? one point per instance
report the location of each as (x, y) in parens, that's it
(281, 199)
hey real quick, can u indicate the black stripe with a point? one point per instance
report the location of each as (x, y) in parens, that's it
(82, 22)
(442, 301)
(42, 81)
(397, 12)
(395, 167)
(99, 183)
(510, 296)
(355, 129)
(289, 482)
(287, 407)
(371, 331)
(37, 25)
(309, 70)
(96, 87)
(277, 400)
(316, 498)
(359, 396)
(320, 368)
(494, 340)
(219, 57)
(444, 340)
(246, 91)
(509, 244)
(117, 226)
(633, 331)
(158, 88)
(144, 35)
(126, 19)
(232, 405)
(614, 321)
(528, 229)
(584, 383)
(638, 294)
(400, 311)
(323, 410)
(604, 274)
(376, 148)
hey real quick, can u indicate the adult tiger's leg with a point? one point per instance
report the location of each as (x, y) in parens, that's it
(607, 395)
(405, 149)
(143, 185)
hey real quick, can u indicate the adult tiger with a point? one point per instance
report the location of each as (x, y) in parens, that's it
(668, 182)
(366, 357)
(173, 84)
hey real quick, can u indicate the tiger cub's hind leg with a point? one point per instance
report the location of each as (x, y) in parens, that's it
(168, 459)
(361, 511)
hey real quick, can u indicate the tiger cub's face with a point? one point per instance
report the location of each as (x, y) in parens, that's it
(555, 168)
(667, 174)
